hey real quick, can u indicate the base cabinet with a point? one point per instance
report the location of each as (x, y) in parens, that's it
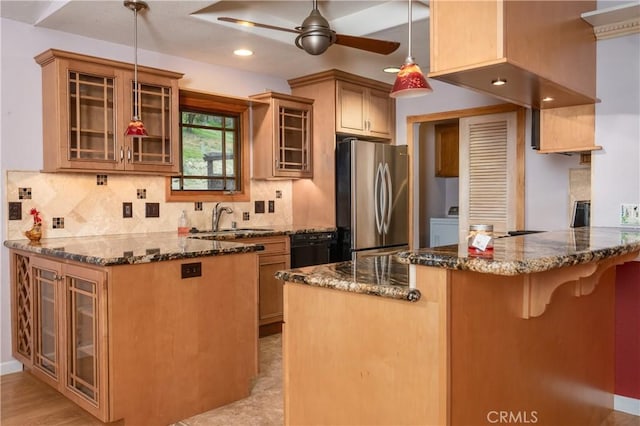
(275, 257)
(68, 336)
(138, 342)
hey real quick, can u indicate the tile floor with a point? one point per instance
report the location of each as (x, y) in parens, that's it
(264, 407)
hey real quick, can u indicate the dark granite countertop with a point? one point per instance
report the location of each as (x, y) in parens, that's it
(388, 276)
(375, 275)
(123, 249)
(533, 252)
(257, 231)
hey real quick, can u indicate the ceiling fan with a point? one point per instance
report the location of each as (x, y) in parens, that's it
(315, 36)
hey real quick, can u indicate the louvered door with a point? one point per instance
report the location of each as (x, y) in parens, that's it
(489, 172)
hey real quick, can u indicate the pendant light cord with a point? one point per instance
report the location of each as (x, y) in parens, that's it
(135, 62)
(410, 56)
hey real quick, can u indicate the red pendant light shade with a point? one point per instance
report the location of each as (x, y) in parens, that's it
(136, 126)
(410, 81)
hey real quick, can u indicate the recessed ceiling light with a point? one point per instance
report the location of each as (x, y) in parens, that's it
(392, 70)
(547, 99)
(499, 82)
(243, 52)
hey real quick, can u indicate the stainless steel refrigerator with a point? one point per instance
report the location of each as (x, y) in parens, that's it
(371, 196)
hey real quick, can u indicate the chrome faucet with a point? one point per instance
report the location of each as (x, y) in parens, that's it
(217, 212)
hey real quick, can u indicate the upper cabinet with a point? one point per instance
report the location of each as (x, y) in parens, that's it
(541, 49)
(282, 136)
(363, 110)
(446, 150)
(358, 106)
(544, 53)
(87, 104)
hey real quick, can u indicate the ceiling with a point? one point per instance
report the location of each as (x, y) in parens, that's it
(190, 29)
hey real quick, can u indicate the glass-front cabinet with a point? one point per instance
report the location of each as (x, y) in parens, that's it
(88, 103)
(46, 314)
(283, 136)
(85, 338)
(59, 314)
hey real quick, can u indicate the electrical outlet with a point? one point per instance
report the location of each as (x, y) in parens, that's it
(630, 214)
(15, 210)
(272, 206)
(152, 209)
(190, 270)
(127, 210)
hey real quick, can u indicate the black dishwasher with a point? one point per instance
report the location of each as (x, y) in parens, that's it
(312, 248)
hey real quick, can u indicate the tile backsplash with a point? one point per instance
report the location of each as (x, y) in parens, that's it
(88, 204)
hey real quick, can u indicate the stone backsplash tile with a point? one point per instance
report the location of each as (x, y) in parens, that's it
(91, 209)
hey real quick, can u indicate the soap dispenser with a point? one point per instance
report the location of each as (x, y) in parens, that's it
(183, 227)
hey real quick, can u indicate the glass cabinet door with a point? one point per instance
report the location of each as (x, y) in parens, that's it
(294, 139)
(155, 112)
(91, 117)
(82, 332)
(46, 335)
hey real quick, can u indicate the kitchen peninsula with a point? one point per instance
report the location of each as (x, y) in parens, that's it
(526, 335)
(150, 328)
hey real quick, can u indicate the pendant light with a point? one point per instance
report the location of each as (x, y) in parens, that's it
(136, 127)
(410, 81)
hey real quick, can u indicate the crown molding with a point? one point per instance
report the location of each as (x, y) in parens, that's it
(614, 21)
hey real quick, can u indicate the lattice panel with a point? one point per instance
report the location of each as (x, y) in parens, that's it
(24, 307)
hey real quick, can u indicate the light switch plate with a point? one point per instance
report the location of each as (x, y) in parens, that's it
(630, 214)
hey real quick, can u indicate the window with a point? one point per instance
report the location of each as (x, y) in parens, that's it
(214, 149)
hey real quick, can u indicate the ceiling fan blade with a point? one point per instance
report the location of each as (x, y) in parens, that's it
(256, 24)
(382, 47)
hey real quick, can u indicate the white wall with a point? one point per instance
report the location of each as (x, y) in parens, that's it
(615, 174)
(21, 107)
(547, 198)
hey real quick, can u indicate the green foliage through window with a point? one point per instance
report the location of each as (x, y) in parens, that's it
(210, 152)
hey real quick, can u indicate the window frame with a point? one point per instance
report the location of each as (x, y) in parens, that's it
(210, 103)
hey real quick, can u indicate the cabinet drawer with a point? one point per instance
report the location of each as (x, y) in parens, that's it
(272, 245)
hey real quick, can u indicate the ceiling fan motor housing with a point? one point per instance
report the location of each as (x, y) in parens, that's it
(316, 35)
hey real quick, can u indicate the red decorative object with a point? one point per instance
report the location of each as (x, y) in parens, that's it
(36, 216)
(410, 82)
(136, 128)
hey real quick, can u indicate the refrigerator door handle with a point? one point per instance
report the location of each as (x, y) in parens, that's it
(378, 181)
(389, 187)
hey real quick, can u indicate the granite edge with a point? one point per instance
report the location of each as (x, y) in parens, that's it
(496, 267)
(392, 292)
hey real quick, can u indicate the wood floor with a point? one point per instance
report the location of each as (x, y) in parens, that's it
(28, 402)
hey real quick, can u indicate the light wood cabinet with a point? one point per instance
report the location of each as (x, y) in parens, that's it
(283, 136)
(446, 149)
(569, 129)
(314, 205)
(87, 105)
(364, 111)
(138, 342)
(275, 257)
(67, 339)
(540, 48)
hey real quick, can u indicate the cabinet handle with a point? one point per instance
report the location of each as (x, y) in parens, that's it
(58, 277)
(121, 154)
(129, 155)
(277, 164)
